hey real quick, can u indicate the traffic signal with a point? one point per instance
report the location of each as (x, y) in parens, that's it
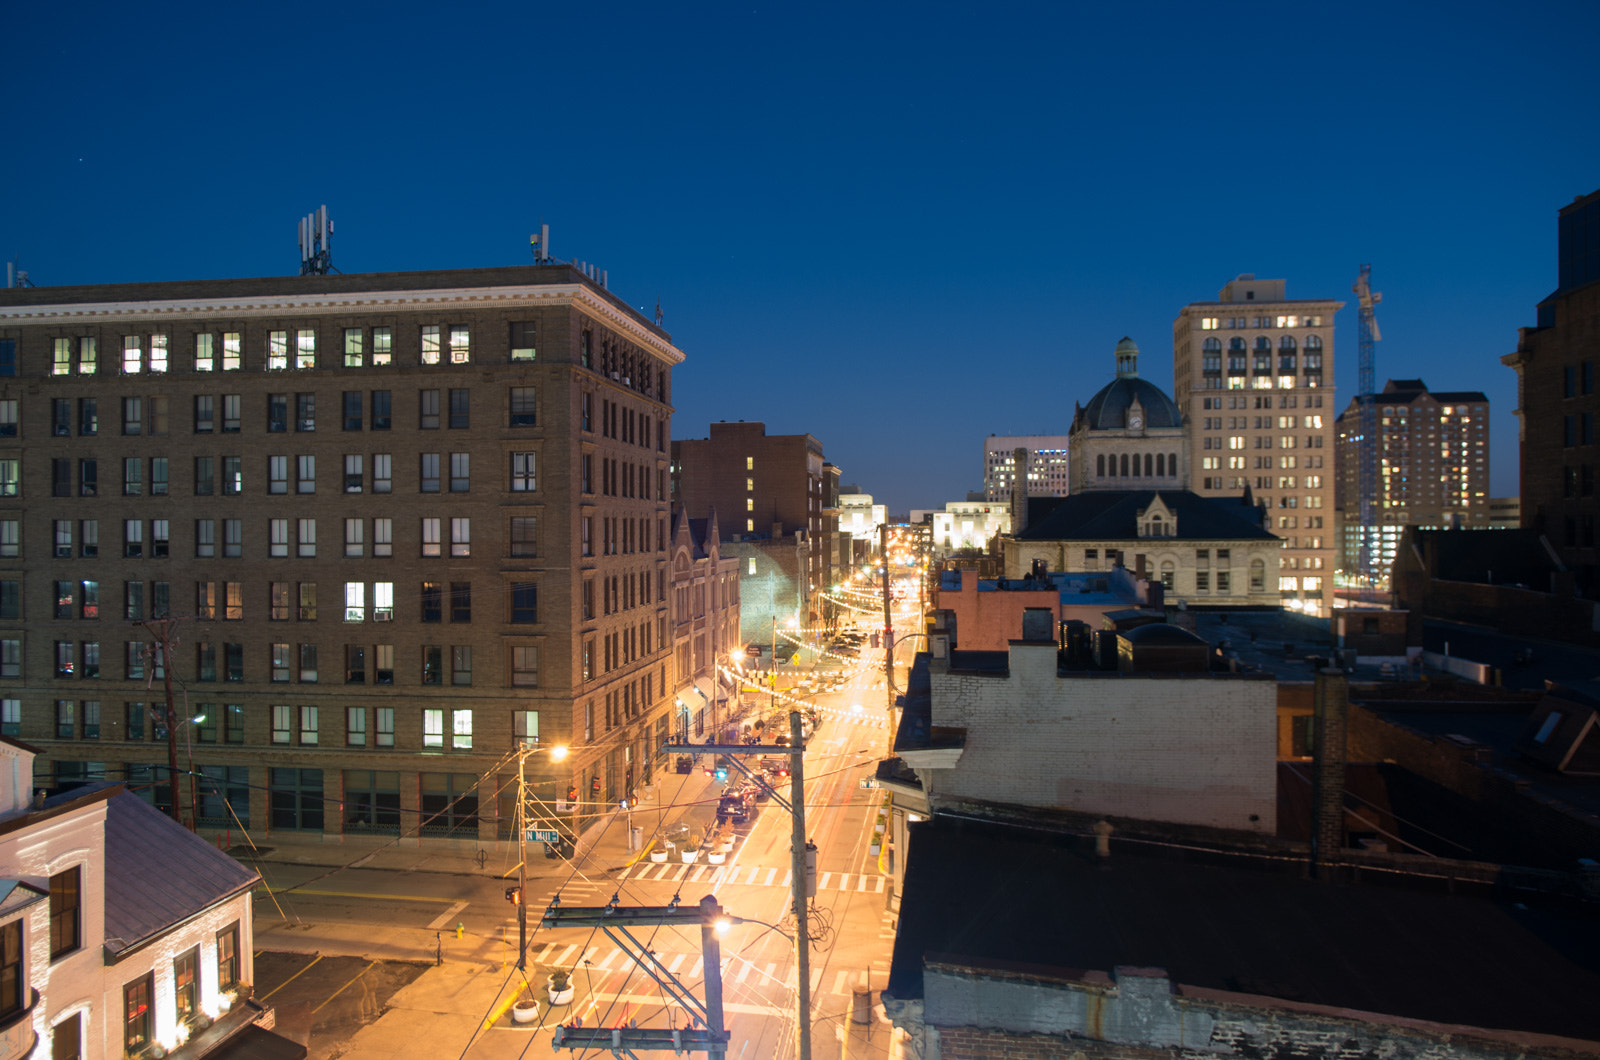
(722, 772)
(514, 895)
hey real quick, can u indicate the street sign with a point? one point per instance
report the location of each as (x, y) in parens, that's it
(543, 835)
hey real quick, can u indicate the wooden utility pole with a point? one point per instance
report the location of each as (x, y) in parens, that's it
(162, 630)
(799, 864)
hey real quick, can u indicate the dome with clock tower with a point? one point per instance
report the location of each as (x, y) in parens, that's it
(1130, 435)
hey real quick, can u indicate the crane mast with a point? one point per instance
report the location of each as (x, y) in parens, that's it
(1367, 338)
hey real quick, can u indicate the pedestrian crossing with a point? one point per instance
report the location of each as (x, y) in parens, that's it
(749, 876)
(595, 961)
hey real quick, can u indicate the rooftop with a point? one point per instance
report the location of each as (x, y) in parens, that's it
(1046, 900)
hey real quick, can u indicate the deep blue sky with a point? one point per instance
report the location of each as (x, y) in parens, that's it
(899, 227)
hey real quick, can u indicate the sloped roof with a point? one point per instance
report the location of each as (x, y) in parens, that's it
(159, 874)
(1113, 515)
(1108, 409)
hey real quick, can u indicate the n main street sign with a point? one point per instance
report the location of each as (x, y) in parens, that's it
(543, 835)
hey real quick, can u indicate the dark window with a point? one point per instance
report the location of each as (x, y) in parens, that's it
(277, 412)
(380, 410)
(524, 602)
(60, 477)
(66, 1039)
(524, 412)
(13, 984)
(432, 601)
(8, 356)
(305, 412)
(352, 410)
(461, 601)
(60, 418)
(88, 416)
(460, 409)
(65, 911)
(295, 796)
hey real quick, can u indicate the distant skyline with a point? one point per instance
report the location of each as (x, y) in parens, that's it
(900, 228)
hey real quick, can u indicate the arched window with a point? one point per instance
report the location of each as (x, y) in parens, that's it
(1156, 528)
(1236, 343)
(1149, 465)
(1313, 353)
(1172, 464)
(1166, 574)
(1135, 465)
(1263, 343)
(1286, 355)
(1313, 342)
(1124, 465)
(1161, 465)
(1258, 575)
(1100, 466)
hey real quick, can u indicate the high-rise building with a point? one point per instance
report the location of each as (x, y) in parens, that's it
(1433, 467)
(349, 667)
(1253, 374)
(1557, 400)
(1049, 465)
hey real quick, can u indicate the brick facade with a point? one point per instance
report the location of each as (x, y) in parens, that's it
(483, 452)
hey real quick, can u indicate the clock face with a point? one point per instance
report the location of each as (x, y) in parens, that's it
(1135, 422)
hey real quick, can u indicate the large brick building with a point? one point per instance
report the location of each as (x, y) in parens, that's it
(1558, 401)
(233, 454)
(1253, 375)
(776, 500)
(1433, 467)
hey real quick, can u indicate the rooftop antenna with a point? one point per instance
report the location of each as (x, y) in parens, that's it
(1367, 338)
(540, 243)
(16, 276)
(316, 243)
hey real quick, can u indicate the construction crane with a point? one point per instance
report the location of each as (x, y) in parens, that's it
(1367, 339)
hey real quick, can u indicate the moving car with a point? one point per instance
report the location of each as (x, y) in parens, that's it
(737, 806)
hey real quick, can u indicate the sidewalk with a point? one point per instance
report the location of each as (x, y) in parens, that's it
(674, 798)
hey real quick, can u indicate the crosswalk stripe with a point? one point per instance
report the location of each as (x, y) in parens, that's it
(771, 875)
(677, 960)
(822, 884)
(605, 965)
(865, 879)
(744, 971)
(816, 981)
(566, 956)
(838, 981)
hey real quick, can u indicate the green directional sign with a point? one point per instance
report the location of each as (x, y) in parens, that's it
(543, 835)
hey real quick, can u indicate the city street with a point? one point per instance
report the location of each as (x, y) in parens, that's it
(416, 914)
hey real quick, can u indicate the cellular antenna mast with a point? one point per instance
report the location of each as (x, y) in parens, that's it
(539, 242)
(1367, 339)
(316, 243)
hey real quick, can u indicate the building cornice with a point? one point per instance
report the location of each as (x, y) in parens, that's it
(578, 295)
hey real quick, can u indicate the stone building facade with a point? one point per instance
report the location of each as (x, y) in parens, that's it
(705, 627)
(232, 453)
(1253, 372)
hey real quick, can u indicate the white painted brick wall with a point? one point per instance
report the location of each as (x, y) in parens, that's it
(1192, 750)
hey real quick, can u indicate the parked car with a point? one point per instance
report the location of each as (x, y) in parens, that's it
(775, 766)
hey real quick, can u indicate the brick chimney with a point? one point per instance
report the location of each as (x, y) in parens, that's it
(1328, 730)
(1019, 490)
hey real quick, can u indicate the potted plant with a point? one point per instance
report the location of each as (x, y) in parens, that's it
(690, 854)
(659, 854)
(526, 1010)
(560, 988)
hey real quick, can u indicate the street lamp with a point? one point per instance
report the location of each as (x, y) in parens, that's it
(557, 752)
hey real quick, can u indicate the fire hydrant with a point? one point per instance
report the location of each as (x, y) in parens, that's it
(459, 929)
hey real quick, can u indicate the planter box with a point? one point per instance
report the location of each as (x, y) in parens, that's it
(689, 856)
(525, 1011)
(658, 856)
(717, 857)
(874, 849)
(562, 996)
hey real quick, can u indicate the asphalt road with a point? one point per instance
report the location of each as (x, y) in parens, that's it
(851, 943)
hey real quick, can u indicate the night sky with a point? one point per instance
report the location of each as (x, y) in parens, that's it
(899, 227)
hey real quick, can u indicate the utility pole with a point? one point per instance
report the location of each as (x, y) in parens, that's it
(888, 633)
(162, 630)
(522, 859)
(800, 857)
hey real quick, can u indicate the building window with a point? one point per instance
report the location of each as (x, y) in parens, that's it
(460, 537)
(430, 537)
(279, 654)
(433, 728)
(306, 474)
(524, 602)
(308, 538)
(432, 601)
(460, 472)
(228, 958)
(524, 406)
(384, 719)
(137, 1014)
(277, 351)
(461, 664)
(461, 730)
(525, 728)
(382, 346)
(308, 726)
(428, 410)
(186, 985)
(305, 412)
(523, 538)
(460, 409)
(383, 536)
(383, 671)
(354, 353)
(429, 473)
(296, 799)
(525, 667)
(522, 473)
(66, 910)
(278, 537)
(461, 601)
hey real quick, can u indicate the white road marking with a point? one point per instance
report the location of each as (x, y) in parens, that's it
(445, 917)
